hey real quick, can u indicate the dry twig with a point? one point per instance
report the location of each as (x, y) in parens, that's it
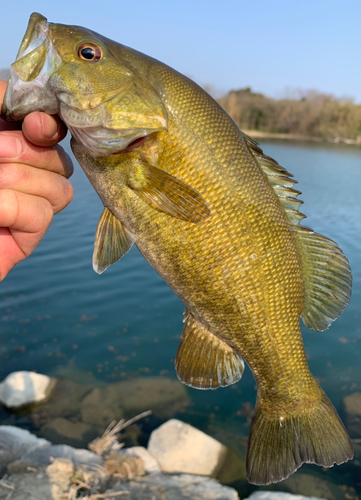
(109, 440)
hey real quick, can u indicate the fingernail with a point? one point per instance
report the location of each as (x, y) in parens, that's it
(10, 147)
(48, 129)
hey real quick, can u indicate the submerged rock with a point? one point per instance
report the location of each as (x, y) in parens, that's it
(60, 430)
(164, 396)
(312, 486)
(25, 388)
(182, 487)
(352, 408)
(180, 448)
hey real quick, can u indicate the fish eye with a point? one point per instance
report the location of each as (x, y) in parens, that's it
(90, 52)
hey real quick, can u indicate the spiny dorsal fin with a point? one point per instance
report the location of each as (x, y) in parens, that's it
(280, 180)
(326, 271)
(112, 241)
(203, 360)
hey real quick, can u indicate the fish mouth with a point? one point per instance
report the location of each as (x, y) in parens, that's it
(36, 61)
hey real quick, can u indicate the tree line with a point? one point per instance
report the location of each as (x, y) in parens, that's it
(310, 114)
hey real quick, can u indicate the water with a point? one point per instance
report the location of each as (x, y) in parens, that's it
(57, 314)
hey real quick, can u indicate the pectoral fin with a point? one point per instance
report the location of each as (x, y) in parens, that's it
(203, 360)
(167, 194)
(112, 241)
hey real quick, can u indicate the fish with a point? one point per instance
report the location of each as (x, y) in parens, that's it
(215, 216)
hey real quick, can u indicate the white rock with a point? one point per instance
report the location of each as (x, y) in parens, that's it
(277, 495)
(150, 463)
(179, 447)
(24, 388)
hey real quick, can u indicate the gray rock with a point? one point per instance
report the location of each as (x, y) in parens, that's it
(46, 484)
(44, 455)
(182, 487)
(15, 443)
(352, 407)
(25, 388)
(179, 447)
(277, 495)
(18, 445)
(151, 465)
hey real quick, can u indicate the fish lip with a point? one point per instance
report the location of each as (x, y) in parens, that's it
(23, 96)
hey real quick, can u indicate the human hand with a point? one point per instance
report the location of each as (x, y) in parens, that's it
(33, 183)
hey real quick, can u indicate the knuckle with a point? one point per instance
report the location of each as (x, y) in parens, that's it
(65, 160)
(65, 194)
(9, 207)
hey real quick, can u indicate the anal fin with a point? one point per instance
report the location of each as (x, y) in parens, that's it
(112, 241)
(204, 361)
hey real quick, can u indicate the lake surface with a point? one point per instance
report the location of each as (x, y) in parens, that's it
(58, 316)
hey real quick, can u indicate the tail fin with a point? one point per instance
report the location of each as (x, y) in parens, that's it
(279, 445)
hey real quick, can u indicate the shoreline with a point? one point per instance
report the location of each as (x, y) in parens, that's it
(258, 134)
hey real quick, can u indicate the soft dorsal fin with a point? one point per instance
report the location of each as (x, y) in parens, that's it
(112, 241)
(203, 360)
(326, 271)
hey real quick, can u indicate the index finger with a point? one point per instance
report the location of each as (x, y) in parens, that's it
(15, 148)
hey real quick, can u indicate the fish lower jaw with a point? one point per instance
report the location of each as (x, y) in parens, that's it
(101, 142)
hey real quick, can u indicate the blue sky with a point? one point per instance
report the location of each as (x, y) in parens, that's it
(271, 46)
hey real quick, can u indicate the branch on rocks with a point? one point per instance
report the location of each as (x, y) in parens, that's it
(109, 440)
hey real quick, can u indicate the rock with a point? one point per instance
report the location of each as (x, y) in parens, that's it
(277, 495)
(101, 406)
(312, 486)
(150, 463)
(25, 388)
(179, 447)
(165, 397)
(182, 487)
(352, 408)
(45, 455)
(65, 403)
(22, 448)
(47, 484)
(60, 430)
(15, 443)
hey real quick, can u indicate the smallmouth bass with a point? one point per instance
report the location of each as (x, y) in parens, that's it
(217, 219)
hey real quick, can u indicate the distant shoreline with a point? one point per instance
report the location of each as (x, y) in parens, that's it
(257, 134)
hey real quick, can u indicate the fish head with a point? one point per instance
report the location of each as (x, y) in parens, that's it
(85, 79)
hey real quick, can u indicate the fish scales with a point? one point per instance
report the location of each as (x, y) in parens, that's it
(214, 216)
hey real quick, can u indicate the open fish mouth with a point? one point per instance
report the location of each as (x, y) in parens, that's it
(104, 115)
(36, 61)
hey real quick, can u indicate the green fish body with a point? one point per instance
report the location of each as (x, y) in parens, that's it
(214, 216)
